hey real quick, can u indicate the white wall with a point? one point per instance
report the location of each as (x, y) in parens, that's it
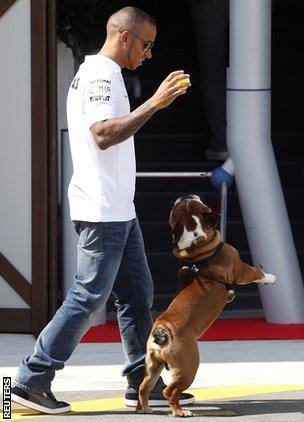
(65, 74)
(15, 149)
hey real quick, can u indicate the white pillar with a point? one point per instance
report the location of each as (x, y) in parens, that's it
(256, 174)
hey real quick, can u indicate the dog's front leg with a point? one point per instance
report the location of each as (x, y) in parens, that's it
(268, 279)
(246, 274)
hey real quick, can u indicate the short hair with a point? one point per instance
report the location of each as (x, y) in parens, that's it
(128, 17)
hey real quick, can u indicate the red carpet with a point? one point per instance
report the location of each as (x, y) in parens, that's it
(222, 329)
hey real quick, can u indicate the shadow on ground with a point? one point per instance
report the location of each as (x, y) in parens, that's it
(215, 409)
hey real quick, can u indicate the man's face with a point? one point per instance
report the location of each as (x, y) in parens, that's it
(138, 45)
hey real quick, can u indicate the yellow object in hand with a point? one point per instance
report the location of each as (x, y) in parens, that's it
(183, 83)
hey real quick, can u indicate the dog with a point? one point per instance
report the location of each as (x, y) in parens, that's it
(208, 269)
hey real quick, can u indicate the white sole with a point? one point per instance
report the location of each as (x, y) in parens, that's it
(35, 406)
(154, 403)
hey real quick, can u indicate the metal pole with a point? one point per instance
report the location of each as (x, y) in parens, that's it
(223, 221)
(172, 175)
(256, 173)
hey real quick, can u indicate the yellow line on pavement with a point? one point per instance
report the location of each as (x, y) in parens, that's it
(102, 404)
(202, 394)
(217, 393)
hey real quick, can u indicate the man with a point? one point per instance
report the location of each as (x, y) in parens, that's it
(101, 193)
(211, 32)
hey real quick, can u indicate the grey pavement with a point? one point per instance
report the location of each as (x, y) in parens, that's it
(278, 407)
(236, 380)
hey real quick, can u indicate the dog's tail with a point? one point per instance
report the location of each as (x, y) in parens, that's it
(161, 335)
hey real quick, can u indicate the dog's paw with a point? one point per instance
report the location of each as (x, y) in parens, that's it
(183, 413)
(231, 296)
(268, 279)
(147, 410)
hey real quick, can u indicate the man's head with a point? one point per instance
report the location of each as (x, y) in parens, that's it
(130, 36)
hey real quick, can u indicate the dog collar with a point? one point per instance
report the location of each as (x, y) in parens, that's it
(203, 262)
(192, 270)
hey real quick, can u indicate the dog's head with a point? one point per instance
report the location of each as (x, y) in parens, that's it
(192, 221)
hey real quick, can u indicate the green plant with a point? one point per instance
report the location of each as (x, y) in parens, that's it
(81, 23)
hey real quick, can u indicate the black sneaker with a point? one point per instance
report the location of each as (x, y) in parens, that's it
(156, 398)
(43, 402)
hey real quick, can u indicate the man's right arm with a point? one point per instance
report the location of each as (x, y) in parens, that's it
(115, 130)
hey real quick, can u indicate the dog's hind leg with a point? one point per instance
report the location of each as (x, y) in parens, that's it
(153, 370)
(183, 371)
(172, 393)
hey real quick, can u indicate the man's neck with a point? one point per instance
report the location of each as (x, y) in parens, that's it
(105, 51)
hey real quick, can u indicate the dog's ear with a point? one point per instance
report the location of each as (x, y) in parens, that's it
(177, 231)
(176, 214)
(210, 219)
(199, 209)
(172, 219)
(207, 217)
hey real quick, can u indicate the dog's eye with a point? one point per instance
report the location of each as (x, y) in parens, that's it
(195, 234)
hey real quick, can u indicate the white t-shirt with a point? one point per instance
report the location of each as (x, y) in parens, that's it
(103, 183)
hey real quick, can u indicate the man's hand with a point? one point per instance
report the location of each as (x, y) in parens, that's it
(175, 84)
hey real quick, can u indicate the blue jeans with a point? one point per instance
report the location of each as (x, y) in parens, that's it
(103, 248)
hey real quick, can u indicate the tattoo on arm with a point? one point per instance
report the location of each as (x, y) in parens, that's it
(116, 130)
(134, 121)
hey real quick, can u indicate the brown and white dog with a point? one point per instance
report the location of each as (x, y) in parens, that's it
(208, 268)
